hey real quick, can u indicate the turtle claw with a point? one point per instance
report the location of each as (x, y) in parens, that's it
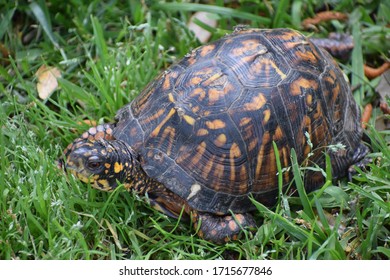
(221, 229)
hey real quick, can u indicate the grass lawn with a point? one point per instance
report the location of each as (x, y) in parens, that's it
(106, 53)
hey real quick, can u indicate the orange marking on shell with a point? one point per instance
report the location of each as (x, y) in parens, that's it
(318, 113)
(244, 121)
(158, 114)
(243, 179)
(195, 81)
(107, 165)
(167, 83)
(214, 95)
(202, 132)
(307, 56)
(232, 169)
(256, 103)
(249, 45)
(189, 120)
(284, 157)
(168, 132)
(200, 92)
(213, 79)
(260, 155)
(170, 97)
(295, 44)
(200, 150)
(278, 133)
(302, 83)
(206, 50)
(215, 124)
(219, 169)
(195, 109)
(253, 144)
(309, 99)
(235, 151)
(266, 116)
(207, 168)
(221, 140)
(156, 131)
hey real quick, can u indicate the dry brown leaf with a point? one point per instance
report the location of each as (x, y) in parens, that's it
(372, 73)
(323, 16)
(47, 81)
(366, 116)
(200, 33)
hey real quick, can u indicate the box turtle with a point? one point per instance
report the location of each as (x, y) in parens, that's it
(199, 138)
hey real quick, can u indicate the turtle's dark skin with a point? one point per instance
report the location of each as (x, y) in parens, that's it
(200, 136)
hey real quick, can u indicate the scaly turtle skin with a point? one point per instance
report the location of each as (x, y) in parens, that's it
(200, 136)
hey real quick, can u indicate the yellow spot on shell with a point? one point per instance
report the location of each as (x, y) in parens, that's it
(202, 132)
(267, 115)
(189, 120)
(170, 97)
(156, 131)
(235, 151)
(118, 167)
(309, 99)
(220, 141)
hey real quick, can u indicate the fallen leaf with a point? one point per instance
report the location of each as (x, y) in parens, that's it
(201, 34)
(322, 17)
(47, 81)
(372, 73)
(366, 115)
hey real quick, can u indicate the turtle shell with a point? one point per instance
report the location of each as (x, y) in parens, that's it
(205, 127)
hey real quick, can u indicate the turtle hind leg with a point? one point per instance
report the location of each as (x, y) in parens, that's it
(359, 160)
(221, 229)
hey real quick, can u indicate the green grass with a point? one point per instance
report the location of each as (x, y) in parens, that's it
(107, 53)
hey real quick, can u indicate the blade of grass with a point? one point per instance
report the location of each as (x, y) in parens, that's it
(300, 185)
(357, 56)
(280, 13)
(5, 22)
(44, 19)
(296, 11)
(287, 225)
(100, 42)
(173, 7)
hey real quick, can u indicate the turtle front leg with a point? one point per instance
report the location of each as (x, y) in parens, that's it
(221, 229)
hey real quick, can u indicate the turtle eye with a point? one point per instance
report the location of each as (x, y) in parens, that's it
(94, 163)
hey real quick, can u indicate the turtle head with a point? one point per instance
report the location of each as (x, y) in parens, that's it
(101, 160)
